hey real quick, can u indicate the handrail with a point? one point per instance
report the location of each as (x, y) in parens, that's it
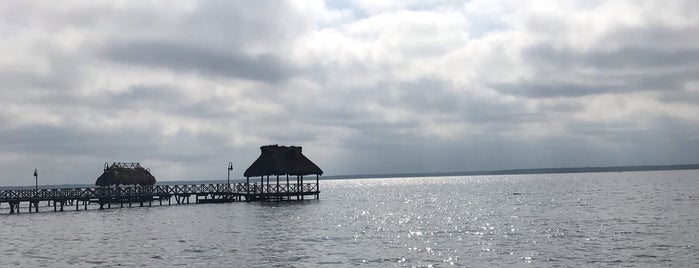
(152, 190)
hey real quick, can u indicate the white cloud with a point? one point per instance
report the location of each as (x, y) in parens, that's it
(431, 85)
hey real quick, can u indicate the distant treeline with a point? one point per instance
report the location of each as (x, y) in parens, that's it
(523, 171)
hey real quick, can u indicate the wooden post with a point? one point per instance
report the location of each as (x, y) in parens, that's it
(302, 194)
(277, 183)
(247, 185)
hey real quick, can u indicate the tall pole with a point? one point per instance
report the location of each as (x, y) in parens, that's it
(230, 168)
(36, 179)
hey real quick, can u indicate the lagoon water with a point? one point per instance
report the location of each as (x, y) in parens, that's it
(634, 219)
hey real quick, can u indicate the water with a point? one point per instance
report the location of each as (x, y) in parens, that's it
(633, 219)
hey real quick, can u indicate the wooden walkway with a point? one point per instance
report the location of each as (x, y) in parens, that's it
(106, 197)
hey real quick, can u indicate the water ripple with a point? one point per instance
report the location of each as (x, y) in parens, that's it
(554, 220)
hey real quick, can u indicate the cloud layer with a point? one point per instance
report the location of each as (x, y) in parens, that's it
(365, 86)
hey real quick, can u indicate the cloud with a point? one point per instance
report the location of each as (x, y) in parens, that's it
(364, 86)
(175, 57)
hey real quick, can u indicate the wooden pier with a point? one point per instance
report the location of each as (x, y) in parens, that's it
(127, 196)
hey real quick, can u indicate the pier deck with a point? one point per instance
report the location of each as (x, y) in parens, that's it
(106, 197)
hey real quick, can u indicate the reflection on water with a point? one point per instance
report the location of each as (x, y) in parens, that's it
(598, 219)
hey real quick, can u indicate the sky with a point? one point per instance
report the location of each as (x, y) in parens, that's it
(365, 86)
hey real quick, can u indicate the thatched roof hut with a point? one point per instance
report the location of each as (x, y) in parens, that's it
(282, 160)
(125, 173)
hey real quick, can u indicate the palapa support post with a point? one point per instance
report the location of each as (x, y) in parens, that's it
(303, 194)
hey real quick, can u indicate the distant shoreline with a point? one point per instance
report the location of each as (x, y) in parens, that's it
(521, 171)
(423, 174)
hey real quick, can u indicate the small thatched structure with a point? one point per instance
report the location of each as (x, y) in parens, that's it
(126, 174)
(282, 160)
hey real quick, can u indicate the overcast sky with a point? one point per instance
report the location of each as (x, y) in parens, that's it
(364, 86)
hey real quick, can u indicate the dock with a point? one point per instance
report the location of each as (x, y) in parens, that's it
(145, 195)
(126, 184)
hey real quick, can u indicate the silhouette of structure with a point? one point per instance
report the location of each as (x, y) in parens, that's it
(125, 174)
(127, 183)
(285, 161)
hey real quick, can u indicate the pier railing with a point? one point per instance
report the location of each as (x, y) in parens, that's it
(145, 195)
(18, 195)
(282, 188)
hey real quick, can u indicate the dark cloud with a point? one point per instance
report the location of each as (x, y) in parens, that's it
(148, 93)
(604, 84)
(176, 57)
(538, 89)
(640, 58)
(612, 59)
(685, 96)
(59, 140)
(569, 73)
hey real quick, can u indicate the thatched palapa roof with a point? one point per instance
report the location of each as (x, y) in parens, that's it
(125, 173)
(282, 160)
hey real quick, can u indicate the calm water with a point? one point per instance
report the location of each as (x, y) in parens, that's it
(631, 219)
